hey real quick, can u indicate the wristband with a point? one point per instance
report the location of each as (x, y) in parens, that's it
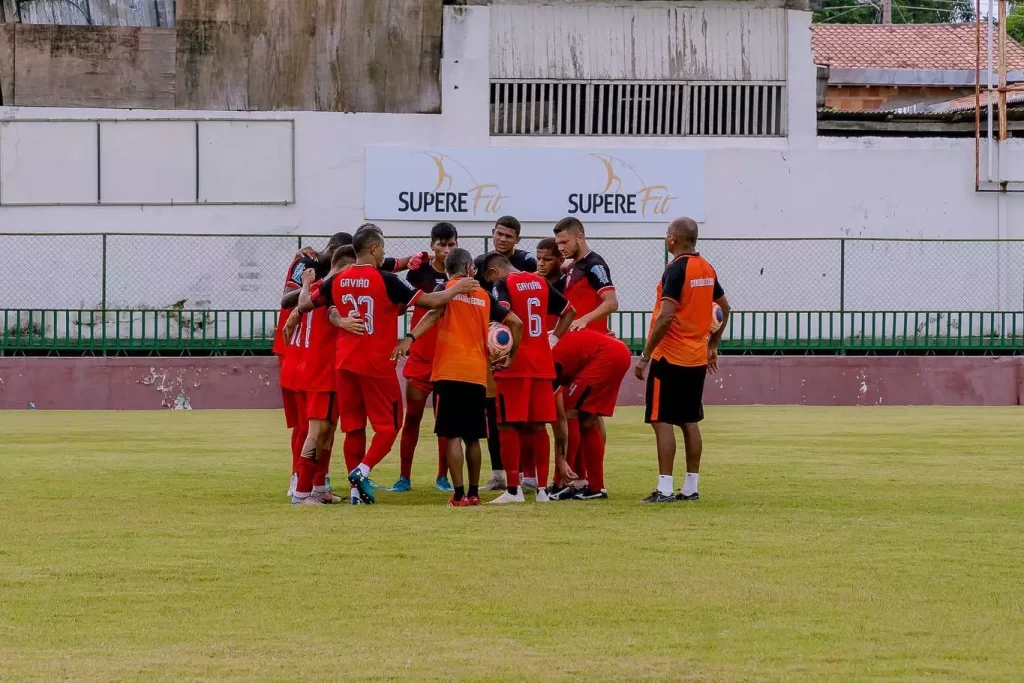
(410, 335)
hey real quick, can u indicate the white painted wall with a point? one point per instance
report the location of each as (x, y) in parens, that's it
(799, 187)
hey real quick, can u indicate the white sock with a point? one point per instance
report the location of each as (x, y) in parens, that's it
(665, 484)
(532, 481)
(319, 489)
(498, 474)
(297, 494)
(353, 493)
(690, 484)
(364, 469)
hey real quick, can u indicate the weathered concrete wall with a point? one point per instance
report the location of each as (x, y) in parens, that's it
(176, 383)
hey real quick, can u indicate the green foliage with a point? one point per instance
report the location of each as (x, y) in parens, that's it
(903, 11)
(1015, 23)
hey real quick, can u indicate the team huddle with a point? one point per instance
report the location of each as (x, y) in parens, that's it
(507, 344)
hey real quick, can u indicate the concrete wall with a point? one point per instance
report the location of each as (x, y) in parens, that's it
(236, 383)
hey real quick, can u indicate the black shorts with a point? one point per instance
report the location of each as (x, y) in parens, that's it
(675, 393)
(459, 410)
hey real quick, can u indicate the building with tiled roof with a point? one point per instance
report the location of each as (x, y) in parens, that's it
(876, 66)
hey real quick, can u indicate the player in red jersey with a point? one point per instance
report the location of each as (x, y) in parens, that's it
(526, 400)
(430, 276)
(588, 285)
(313, 335)
(320, 263)
(591, 366)
(368, 385)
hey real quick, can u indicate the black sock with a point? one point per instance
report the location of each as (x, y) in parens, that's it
(514, 490)
(460, 492)
(474, 490)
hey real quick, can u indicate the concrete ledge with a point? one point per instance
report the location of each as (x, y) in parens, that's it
(247, 382)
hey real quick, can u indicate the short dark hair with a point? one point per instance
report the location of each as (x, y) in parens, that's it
(548, 244)
(369, 226)
(458, 261)
(510, 222)
(340, 239)
(342, 253)
(442, 232)
(569, 223)
(366, 240)
(493, 259)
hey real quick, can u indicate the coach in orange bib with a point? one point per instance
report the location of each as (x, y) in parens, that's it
(681, 350)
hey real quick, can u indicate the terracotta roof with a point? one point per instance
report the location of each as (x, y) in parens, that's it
(904, 46)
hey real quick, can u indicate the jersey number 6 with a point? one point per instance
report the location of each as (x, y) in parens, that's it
(536, 321)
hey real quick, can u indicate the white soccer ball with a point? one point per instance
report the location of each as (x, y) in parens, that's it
(499, 341)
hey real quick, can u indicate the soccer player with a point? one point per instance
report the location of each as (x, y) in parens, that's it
(461, 361)
(320, 263)
(368, 384)
(526, 399)
(588, 285)
(681, 350)
(313, 335)
(591, 366)
(507, 233)
(430, 276)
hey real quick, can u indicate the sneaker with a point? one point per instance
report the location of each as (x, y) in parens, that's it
(494, 484)
(362, 483)
(292, 484)
(442, 484)
(452, 503)
(327, 484)
(307, 500)
(403, 485)
(507, 497)
(542, 496)
(659, 497)
(561, 492)
(587, 494)
(329, 498)
(473, 500)
(681, 497)
(353, 497)
(528, 485)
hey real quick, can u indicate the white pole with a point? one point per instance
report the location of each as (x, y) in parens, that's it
(988, 93)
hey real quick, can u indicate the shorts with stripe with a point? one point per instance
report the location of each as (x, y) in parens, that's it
(362, 399)
(321, 405)
(675, 393)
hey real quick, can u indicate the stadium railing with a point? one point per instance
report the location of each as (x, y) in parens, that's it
(206, 294)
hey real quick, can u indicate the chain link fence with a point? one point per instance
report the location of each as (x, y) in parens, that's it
(781, 288)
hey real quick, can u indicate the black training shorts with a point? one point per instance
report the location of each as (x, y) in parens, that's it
(675, 393)
(459, 411)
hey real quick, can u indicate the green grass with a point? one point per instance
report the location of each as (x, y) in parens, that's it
(831, 544)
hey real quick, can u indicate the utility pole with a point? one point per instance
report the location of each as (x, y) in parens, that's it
(886, 11)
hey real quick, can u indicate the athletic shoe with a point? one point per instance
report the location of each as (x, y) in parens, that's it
(681, 497)
(353, 497)
(529, 486)
(659, 497)
(494, 484)
(373, 484)
(452, 503)
(473, 500)
(542, 496)
(330, 498)
(507, 497)
(561, 492)
(587, 494)
(403, 485)
(327, 484)
(307, 500)
(293, 482)
(442, 484)
(362, 484)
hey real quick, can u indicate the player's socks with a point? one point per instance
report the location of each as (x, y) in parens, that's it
(572, 454)
(354, 449)
(380, 446)
(474, 491)
(510, 455)
(410, 437)
(323, 466)
(514, 490)
(592, 445)
(307, 470)
(298, 438)
(665, 484)
(527, 464)
(690, 483)
(542, 457)
(442, 457)
(460, 493)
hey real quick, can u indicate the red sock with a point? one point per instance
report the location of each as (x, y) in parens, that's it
(528, 464)
(323, 468)
(380, 446)
(442, 457)
(410, 437)
(572, 455)
(542, 456)
(355, 449)
(593, 452)
(298, 438)
(307, 470)
(510, 455)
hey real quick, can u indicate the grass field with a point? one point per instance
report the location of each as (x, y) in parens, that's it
(830, 544)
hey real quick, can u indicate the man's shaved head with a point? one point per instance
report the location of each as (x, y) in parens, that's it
(684, 230)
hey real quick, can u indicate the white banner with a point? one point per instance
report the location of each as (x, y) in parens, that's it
(534, 185)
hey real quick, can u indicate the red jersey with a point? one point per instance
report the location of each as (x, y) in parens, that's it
(550, 320)
(589, 278)
(582, 349)
(291, 356)
(530, 297)
(293, 280)
(316, 338)
(427, 280)
(380, 298)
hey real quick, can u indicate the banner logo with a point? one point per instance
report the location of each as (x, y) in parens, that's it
(455, 191)
(645, 199)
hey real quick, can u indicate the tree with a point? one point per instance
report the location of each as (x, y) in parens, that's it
(1015, 22)
(903, 11)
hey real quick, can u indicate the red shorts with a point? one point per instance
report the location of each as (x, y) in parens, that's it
(417, 373)
(595, 389)
(294, 408)
(525, 399)
(362, 399)
(321, 405)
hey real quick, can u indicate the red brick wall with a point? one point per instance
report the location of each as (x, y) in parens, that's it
(873, 98)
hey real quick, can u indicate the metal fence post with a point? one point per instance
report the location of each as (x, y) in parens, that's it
(842, 296)
(486, 245)
(103, 284)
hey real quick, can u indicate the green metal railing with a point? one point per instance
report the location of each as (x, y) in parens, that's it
(252, 331)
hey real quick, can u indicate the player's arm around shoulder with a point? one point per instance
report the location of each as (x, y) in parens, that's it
(422, 327)
(440, 299)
